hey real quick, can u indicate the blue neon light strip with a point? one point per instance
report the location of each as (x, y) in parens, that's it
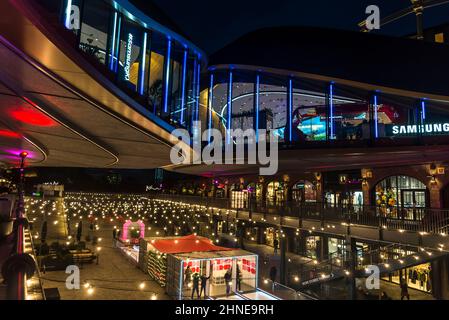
(198, 74)
(194, 92)
(142, 67)
(423, 110)
(117, 46)
(114, 31)
(211, 92)
(183, 93)
(68, 12)
(331, 110)
(257, 106)
(167, 76)
(228, 124)
(290, 108)
(376, 119)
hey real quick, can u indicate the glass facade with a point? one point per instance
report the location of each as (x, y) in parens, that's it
(300, 110)
(163, 74)
(156, 70)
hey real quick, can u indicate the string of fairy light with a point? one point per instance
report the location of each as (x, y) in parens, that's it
(175, 218)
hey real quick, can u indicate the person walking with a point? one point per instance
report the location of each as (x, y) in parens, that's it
(196, 285)
(404, 290)
(273, 273)
(114, 237)
(275, 245)
(188, 275)
(239, 279)
(203, 284)
(228, 279)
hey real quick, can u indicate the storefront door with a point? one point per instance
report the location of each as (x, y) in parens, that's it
(413, 201)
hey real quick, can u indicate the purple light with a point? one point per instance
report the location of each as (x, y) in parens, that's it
(17, 152)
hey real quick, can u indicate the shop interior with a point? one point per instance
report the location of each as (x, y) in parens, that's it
(243, 272)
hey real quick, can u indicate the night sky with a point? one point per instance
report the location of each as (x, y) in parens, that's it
(211, 24)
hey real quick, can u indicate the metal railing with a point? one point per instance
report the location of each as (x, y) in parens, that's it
(283, 292)
(435, 221)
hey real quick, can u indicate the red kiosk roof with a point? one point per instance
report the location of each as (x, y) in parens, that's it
(186, 244)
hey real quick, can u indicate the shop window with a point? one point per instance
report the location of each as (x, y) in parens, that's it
(439, 37)
(273, 105)
(304, 191)
(350, 115)
(309, 116)
(271, 234)
(397, 117)
(239, 199)
(401, 197)
(156, 80)
(312, 247)
(275, 192)
(418, 277)
(130, 55)
(176, 82)
(95, 24)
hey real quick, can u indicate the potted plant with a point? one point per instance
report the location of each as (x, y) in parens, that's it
(6, 226)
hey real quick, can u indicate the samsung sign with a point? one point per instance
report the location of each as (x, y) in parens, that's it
(129, 48)
(431, 128)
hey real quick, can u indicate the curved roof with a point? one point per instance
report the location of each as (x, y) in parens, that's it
(382, 61)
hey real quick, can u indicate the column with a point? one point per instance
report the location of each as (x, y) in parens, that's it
(350, 266)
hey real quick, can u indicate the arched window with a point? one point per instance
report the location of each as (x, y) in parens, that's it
(275, 192)
(304, 191)
(401, 197)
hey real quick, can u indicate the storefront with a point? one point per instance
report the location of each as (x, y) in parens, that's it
(401, 197)
(313, 247)
(275, 192)
(271, 234)
(239, 199)
(173, 262)
(336, 246)
(304, 191)
(418, 277)
(343, 189)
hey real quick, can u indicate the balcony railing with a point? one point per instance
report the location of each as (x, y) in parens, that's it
(433, 221)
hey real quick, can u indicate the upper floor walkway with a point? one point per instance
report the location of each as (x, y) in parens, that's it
(429, 228)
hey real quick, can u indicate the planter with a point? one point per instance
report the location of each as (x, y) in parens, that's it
(6, 228)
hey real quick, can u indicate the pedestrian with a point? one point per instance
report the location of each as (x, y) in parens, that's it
(203, 284)
(114, 237)
(276, 244)
(196, 285)
(273, 273)
(404, 290)
(239, 279)
(188, 275)
(228, 279)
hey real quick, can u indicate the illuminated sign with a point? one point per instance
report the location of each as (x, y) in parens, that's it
(425, 128)
(129, 47)
(151, 188)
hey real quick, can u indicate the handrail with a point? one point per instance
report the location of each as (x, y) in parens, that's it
(21, 265)
(427, 220)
